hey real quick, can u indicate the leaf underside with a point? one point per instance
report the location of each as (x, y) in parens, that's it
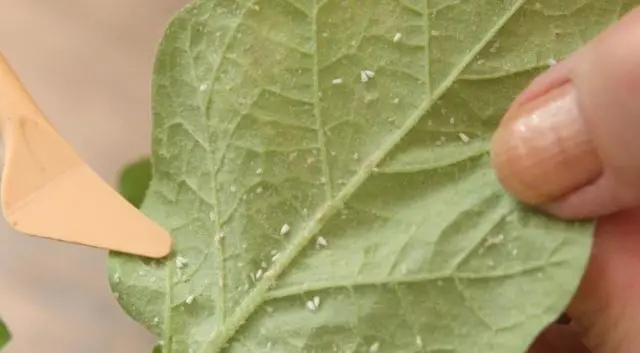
(315, 212)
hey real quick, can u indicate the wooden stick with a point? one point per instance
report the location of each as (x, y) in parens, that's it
(50, 192)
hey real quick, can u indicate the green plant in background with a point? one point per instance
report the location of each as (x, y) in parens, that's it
(5, 335)
(134, 179)
(157, 349)
(323, 169)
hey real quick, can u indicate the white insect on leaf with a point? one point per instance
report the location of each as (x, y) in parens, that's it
(321, 242)
(181, 262)
(397, 37)
(190, 299)
(286, 228)
(374, 348)
(366, 75)
(464, 137)
(336, 81)
(313, 303)
(275, 256)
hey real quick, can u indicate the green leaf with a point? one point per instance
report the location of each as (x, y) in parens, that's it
(134, 181)
(5, 335)
(315, 212)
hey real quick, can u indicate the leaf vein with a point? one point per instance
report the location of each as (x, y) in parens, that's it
(401, 280)
(324, 160)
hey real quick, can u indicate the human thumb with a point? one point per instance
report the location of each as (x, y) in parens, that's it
(571, 142)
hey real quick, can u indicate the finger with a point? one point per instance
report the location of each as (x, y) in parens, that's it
(570, 143)
(606, 308)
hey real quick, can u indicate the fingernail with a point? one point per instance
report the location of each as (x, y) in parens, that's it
(542, 150)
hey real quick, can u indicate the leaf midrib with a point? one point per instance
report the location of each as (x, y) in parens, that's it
(257, 296)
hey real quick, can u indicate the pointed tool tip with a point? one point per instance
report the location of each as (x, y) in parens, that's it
(160, 246)
(98, 216)
(50, 192)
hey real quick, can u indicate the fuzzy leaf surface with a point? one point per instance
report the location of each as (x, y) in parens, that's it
(315, 212)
